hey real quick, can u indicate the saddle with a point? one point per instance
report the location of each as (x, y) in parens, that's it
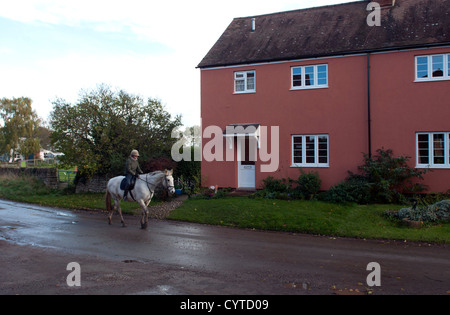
(128, 187)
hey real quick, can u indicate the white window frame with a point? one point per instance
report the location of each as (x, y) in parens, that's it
(244, 78)
(431, 150)
(315, 84)
(446, 70)
(316, 151)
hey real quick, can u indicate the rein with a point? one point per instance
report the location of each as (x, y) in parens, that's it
(148, 184)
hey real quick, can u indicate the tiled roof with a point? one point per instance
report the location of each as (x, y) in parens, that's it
(331, 30)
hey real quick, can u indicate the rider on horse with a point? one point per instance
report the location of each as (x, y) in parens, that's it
(132, 171)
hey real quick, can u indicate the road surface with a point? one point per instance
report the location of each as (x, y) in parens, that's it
(38, 243)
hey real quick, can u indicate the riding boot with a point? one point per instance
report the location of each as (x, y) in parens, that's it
(125, 195)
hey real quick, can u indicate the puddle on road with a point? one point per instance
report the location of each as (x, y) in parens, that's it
(9, 227)
(64, 214)
(37, 208)
(71, 222)
(129, 261)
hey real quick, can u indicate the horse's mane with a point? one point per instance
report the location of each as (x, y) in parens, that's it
(155, 173)
(152, 177)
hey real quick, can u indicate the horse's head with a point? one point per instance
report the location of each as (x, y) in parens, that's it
(169, 182)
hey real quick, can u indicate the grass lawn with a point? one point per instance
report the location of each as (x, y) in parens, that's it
(314, 217)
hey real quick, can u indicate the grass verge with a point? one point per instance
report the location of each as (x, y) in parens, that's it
(313, 217)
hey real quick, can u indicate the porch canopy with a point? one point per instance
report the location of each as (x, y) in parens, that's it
(241, 130)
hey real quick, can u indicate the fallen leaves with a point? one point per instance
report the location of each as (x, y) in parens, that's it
(347, 291)
(352, 291)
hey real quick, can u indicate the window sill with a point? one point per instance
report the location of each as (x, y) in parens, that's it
(308, 88)
(433, 166)
(311, 165)
(431, 80)
(246, 92)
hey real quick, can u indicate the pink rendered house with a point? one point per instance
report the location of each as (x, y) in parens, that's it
(321, 87)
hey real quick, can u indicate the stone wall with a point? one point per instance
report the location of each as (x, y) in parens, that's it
(47, 175)
(96, 184)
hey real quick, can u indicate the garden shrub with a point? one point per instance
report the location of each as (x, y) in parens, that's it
(354, 189)
(440, 211)
(308, 185)
(382, 178)
(272, 185)
(390, 177)
(305, 187)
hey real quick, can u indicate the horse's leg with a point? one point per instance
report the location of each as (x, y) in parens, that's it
(110, 216)
(111, 211)
(109, 207)
(120, 213)
(144, 219)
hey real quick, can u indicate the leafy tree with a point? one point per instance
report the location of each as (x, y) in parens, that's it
(100, 130)
(19, 132)
(43, 134)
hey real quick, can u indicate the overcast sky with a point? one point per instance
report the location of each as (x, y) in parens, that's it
(55, 48)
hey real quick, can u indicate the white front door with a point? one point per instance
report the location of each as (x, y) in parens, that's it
(246, 162)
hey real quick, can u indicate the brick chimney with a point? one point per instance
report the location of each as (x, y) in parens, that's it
(385, 3)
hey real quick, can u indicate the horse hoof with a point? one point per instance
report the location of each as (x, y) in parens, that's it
(144, 226)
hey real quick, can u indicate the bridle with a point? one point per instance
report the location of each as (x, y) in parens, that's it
(168, 187)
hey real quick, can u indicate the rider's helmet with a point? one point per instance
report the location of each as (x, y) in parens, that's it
(134, 153)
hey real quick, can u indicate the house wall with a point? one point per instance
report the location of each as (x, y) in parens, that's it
(400, 108)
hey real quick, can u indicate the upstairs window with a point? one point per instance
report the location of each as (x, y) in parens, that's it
(433, 68)
(309, 77)
(244, 82)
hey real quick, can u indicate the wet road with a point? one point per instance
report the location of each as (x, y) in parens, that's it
(181, 258)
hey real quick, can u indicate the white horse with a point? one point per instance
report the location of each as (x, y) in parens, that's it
(142, 193)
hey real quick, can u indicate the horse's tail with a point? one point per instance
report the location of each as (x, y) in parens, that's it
(108, 198)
